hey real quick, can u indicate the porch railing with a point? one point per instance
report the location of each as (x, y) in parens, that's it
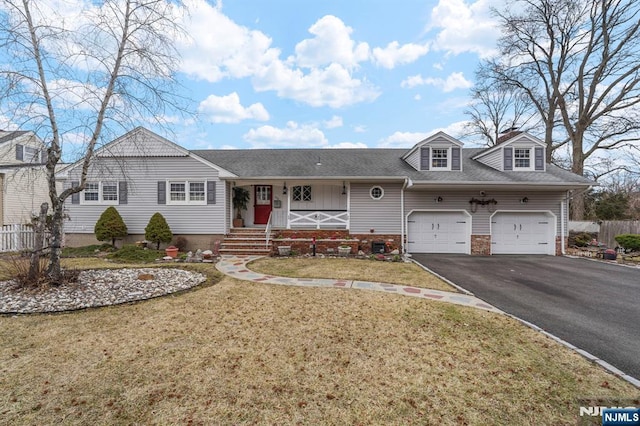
(267, 231)
(319, 219)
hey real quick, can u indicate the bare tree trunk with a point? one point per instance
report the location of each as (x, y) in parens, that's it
(577, 166)
(36, 254)
(54, 272)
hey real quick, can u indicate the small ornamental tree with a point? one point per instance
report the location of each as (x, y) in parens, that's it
(157, 230)
(110, 226)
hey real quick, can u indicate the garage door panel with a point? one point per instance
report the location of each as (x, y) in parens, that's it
(438, 232)
(522, 233)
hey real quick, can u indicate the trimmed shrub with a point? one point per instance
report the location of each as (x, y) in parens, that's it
(135, 254)
(110, 226)
(583, 239)
(157, 230)
(630, 242)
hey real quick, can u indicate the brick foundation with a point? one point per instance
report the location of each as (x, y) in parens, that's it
(327, 241)
(481, 245)
(559, 245)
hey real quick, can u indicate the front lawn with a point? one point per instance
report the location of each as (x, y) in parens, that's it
(350, 269)
(248, 353)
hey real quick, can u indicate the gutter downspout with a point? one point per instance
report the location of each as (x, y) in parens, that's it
(405, 185)
(562, 222)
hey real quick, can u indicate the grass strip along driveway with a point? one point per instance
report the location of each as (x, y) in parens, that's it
(248, 353)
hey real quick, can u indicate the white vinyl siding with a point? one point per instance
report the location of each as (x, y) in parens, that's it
(23, 191)
(481, 223)
(142, 187)
(383, 215)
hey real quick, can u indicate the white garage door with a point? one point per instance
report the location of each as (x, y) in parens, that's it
(439, 232)
(523, 233)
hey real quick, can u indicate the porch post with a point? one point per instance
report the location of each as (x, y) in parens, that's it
(349, 206)
(288, 207)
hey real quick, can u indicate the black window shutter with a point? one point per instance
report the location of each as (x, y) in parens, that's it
(211, 192)
(75, 198)
(424, 158)
(162, 192)
(455, 158)
(19, 153)
(508, 158)
(539, 153)
(123, 194)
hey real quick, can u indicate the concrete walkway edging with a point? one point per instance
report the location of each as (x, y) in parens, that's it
(236, 266)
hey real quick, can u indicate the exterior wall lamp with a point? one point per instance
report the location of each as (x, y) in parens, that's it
(284, 189)
(524, 200)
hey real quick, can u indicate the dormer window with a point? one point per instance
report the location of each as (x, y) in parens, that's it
(439, 158)
(522, 158)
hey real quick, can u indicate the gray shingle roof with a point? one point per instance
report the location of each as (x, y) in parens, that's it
(11, 135)
(371, 163)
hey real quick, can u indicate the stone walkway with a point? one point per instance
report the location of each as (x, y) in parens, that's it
(236, 266)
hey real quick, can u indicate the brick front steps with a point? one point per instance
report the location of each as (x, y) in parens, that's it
(246, 241)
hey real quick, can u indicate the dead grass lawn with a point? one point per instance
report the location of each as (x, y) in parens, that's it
(244, 353)
(350, 269)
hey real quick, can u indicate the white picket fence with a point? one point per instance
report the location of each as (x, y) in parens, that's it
(16, 238)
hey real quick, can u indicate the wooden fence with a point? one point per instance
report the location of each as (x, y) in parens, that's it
(610, 228)
(16, 238)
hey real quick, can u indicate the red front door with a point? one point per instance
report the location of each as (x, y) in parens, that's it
(263, 196)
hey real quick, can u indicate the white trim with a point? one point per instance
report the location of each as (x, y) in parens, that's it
(531, 159)
(381, 192)
(430, 139)
(531, 138)
(431, 158)
(187, 190)
(552, 237)
(100, 200)
(469, 224)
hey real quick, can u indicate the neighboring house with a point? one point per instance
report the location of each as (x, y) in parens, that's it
(436, 197)
(22, 176)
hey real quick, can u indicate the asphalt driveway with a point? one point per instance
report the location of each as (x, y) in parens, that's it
(592, 305)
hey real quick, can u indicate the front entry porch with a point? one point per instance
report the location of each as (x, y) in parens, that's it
(294, 205)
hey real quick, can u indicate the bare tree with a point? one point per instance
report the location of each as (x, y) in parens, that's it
(497, 108)
(578, 61)
(111, 64)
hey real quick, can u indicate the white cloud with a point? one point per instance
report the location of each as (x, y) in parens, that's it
(292, 136)
(217, 47)
(332, 86)
(319, 74)
(360, 128)
(348, 145)
(453, 82)
(227, 109)
(334, 122)
(402, 140)
(332, 44)
(465, 27)
(394, 54)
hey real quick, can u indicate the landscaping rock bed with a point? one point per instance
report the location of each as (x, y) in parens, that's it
(97, 287)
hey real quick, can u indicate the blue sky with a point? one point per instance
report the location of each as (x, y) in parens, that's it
(358, 73)
(308, 73)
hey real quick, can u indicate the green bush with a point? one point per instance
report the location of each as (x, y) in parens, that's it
(110, 226)
(629, 241)
(86, 251)
(135, 254)
(157, 230)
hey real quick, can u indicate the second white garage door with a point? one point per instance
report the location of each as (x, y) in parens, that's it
(523, 233)
(439, 232)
